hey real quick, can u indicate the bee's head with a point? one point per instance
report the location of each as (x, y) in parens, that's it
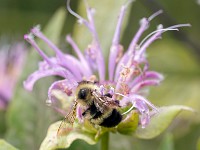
(84, 96)
(83, 93)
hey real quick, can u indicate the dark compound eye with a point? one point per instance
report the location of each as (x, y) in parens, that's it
(82, 93)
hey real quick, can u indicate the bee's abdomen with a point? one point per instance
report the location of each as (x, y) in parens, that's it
(112, 120)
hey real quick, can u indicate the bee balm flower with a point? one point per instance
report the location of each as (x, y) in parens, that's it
(11, 64)
(128, 72)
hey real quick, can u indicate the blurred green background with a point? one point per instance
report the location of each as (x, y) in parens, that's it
(177, 56)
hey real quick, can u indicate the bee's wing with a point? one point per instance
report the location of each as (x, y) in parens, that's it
(69, 118)
(101, 102)
(62, 126)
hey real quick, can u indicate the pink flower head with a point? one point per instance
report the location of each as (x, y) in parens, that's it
(11, 64)
(128, 72)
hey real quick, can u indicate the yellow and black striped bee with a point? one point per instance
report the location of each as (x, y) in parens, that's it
(98, 109)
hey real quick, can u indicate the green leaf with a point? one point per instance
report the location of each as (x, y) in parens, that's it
(181, 84)
(160, 121)
(129, 125)
(105, 17)
(54, 141)
(6, 146)
(28, 117)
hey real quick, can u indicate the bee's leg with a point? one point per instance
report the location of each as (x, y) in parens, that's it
(86, 114)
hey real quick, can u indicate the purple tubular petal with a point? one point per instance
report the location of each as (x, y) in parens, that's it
(147, 75)
(133, 97)
(72, 64)
(100, 59)
(90, 60)
(58, 52)
(147, 43)
(144, 119)
(87, 69)
(141, 104)
(61, 92)
(30, 39)
(116, 37)
(5, 95)
(66, 86)
(60, 56)
(115, 43)
(40, 35)
(144, 111)
(157, 35)
(12, 59)
(43, 65)
(112, 60)
(29, 83)
(90, 25)
(101, 67)
(144, 83)
(144, 24)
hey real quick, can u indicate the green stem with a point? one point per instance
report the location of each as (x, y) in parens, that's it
(105, 141)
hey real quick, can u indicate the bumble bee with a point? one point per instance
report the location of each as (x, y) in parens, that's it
(98, 109)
